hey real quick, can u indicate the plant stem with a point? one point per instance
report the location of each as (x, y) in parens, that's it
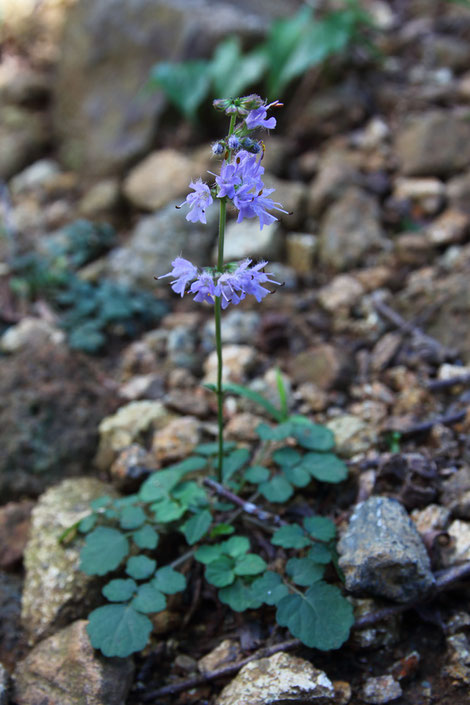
(218, 329)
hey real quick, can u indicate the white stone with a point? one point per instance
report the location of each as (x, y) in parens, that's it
(30, 333)
(245, 239)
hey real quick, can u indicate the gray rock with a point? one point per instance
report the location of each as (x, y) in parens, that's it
(238, 327)
(382, 553)
(181, 348)
(350, 230)
(12, 642)
(162, 177)
(65, 670)
(55, 590)
(382, 689)
(4, 686)
(278, 679)
(101, 198)
(436, 143)
(245, 239)
(292, 196)
(352, 435)
(337, 171)
(23, 135)
(34, 177)
(456, 493)
(301, 250)
(100, 111)
(154, 244)
(30, 333)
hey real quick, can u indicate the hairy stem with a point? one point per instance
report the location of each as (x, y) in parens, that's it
(218, 331)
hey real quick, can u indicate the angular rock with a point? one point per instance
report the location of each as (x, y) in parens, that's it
(227, 651)
(160, 178)
(237, 361)
(55, 590)
(352, 435)
(301, 250)
(278, 679)
(65, 670)
(459, 550)
(30, 333)
(322, 365)
(428, 194)
(344, 291)
(382, 553)
(433, 518)
(176, 440)
(132, 464)
(239, 327)
(34, 177)
(450, 227)
(156, 241)
(350, 231)
(245, 239)
(126, 426)
(337, 171)
(102, 198)
(435, 143)
(382, 689)
(106, 123)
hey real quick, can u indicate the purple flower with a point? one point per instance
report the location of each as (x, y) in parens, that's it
(233, 142)
(204, 288)
(257, 117)
(228, 179)
(251, 205)
(198, 201)
(183, 271)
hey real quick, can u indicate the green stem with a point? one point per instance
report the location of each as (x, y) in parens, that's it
(218, 329)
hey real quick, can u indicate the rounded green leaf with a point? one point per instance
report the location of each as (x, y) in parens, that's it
(269, 588)
(304, 571)
(325, 467)
(169, 581)
(249, 564)
(118, 630)
(100, 502)
(313, 436)
(132, 517)
(103, 551)
(256, 474)
(292, 536)
(274, 433)
(149, 599)
(235, 546)
(240, 597)
(196, 527)
(146, 537)
(140, 567)
(206, 554)
(220, 572)
(167, 510)
(320, 528)
(119, 590)
(321, 618)
(87, 523)
(319, 553)
(276, 490)
(287, 456)
(297, 476)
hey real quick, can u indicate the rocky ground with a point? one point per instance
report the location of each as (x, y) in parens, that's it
(371, 331)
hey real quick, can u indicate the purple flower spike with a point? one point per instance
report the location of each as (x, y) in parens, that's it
(257, 117)
(228, 179)
(184, 272)
(198, 201)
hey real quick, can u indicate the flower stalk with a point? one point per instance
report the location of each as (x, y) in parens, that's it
(240, 183)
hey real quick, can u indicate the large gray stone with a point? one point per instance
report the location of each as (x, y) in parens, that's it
(101, 112)
(156, 241)
(350, 230)
(381, 552)
(436, 143)
(55, 590)
(65, 670)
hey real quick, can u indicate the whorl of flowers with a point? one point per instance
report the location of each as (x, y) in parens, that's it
(232, 285)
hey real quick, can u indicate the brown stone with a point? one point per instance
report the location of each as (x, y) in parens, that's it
(322, 365)
(65, 670)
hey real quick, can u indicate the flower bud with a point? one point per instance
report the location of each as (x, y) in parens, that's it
(218, 148)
